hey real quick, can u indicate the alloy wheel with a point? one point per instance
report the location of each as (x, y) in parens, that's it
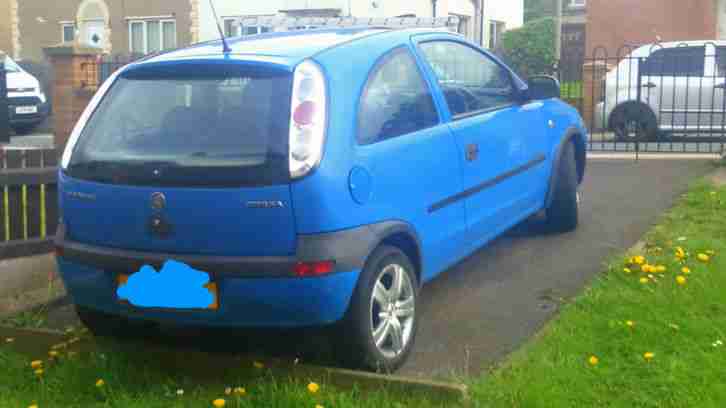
(392, 311)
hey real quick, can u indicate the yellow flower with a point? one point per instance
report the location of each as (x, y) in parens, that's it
(630, 323)
(228, 391)
(257, 364)
(627, 270)
(53, 353)
(660, 269)
(645, 268)
(33, 406)
(240, 391)
(680, 253)
(313, 387)
(643, 280)
(686, 270)
(638, 260)
(319, 406)
(681, 279)
(39, 372)
(649, 356)
(36, 364)
(100, 383)
(711, 252)
(593, 360)
(219, 403)
(703, 257)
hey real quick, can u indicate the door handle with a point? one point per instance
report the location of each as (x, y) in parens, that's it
(720, 86)
(650, 85)
(472, 152)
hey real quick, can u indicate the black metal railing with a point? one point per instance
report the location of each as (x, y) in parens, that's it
(658, 98)
(28, 201)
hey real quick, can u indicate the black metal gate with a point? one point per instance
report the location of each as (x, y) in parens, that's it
(658, 98)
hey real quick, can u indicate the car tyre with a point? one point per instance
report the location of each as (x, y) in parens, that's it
(379, 329)
(107, 325)
(562, 213)
(634, 123)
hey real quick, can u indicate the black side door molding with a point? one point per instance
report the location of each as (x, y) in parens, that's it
(487, 184)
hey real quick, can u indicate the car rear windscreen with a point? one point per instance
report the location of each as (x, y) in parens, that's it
(206, 129)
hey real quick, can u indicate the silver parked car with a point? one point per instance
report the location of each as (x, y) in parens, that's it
(665, 89)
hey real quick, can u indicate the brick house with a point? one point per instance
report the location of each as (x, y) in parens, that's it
(117, 27)
(614, 23)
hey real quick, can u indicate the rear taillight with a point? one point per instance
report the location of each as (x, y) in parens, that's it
(308, 119)
(312, 269)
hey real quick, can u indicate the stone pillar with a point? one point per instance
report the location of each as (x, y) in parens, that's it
(76, 81)
(593, 76)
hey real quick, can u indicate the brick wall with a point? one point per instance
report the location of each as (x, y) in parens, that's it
(613, 23)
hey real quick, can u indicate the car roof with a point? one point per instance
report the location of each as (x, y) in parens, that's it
(645, 50)
(286, 48)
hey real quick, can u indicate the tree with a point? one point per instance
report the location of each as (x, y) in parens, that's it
(530, 50)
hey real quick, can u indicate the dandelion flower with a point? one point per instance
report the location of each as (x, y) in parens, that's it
(639, 260)
(258, 365)
(240, 391)
(627, 270)
(313, 387)
(643, 280)
(219, 403)
(703, 257)
(686, 270)
(319, 406)
(660, 269)
(100, 383)
(53, 354)
(39, 372)
(630, 323)
(648, 356)
(680, 253)
(228, 391)
(33, 406)
(681, 280)
(645, 268)
(180, 392)
(593, 360)
(36, 364)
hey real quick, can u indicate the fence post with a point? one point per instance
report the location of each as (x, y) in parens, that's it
(4, 113)
(76, 80)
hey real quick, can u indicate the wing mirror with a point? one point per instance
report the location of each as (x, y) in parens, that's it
(543, 87)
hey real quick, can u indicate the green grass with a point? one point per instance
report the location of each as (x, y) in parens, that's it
(678, 323)
(144, 379)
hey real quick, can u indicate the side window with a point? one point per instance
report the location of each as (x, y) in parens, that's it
(396, 100)
(470, 81)
(721, 61)
(676, 62)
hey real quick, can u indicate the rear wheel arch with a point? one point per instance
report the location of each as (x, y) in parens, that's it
(403, 236)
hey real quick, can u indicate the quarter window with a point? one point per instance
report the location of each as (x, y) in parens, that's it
(676, 62)
(396, 100)
(471, 81)
(721, 61)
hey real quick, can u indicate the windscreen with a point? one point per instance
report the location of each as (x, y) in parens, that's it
(11, 66)
(228, 130)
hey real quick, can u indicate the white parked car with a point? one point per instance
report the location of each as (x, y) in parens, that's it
(27, 103)
(681, 91)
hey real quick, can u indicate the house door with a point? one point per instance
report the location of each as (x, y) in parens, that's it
(94, 34)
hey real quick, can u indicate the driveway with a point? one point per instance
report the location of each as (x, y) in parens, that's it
(487, 306)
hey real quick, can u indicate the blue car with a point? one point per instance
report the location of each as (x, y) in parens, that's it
(306, 179)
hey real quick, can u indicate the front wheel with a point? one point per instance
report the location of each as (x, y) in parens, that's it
(380, 326)
(634, 123)
(563, 212)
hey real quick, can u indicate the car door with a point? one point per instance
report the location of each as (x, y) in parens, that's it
(502, 143)
(675, 86)
(411, 158)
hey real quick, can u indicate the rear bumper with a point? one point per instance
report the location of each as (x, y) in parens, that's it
(243, 302)
(253, 291)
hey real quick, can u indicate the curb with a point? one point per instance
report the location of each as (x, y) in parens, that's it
(653, 156)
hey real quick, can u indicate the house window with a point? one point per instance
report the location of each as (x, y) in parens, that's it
(232, 28)
(68, 32)
(577, 3)
(496, 28)
(149, 36)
